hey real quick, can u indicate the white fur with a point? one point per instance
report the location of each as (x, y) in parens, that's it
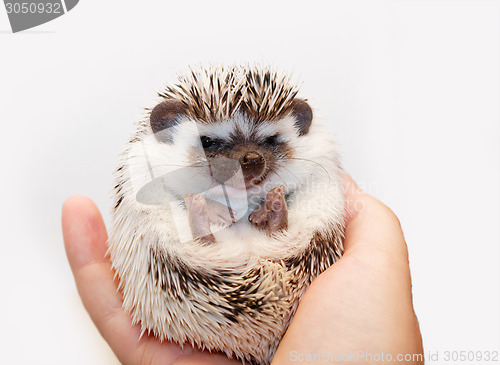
(315, 175)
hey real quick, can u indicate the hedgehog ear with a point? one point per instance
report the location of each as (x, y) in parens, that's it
(165, 115)
(303, 115)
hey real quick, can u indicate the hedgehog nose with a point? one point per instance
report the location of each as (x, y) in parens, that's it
(252, 164)
(251, 159)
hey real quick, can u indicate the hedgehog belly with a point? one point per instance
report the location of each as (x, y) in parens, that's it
(241, 312)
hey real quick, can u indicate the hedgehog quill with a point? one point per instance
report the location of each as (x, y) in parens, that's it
(228, 203)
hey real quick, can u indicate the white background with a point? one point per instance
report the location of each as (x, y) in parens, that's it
(410, 88)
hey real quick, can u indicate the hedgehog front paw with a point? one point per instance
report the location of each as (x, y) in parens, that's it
(199, 218)
(271, 214)
(277, 216)
(258, 218)
(220, 214)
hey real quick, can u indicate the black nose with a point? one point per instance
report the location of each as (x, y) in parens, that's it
(252, 164)
(251, 159)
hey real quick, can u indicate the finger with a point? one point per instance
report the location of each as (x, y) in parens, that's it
(85, 242)
(363, 301)
(84, 232)
(204, 358)
(352, 194)
(371, 227)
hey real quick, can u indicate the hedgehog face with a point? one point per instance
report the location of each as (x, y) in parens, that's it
(256, 148)
(242, 128)
(239, 142)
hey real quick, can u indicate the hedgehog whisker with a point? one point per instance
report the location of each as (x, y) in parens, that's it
(295, 176)
(284, 182)
(306, 160)
(175, 165)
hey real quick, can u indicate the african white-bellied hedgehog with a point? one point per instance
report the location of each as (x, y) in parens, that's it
(228, 203)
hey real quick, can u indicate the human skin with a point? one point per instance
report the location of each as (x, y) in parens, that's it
(361, 303)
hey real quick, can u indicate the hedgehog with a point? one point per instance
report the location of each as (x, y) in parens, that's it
(228, 203)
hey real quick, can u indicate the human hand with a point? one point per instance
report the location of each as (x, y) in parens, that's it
(85, 241)
(362, 305)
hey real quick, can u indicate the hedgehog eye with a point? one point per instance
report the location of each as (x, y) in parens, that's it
(271, 140)
(208, 142)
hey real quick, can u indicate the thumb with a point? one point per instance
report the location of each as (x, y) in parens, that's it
(371, 227)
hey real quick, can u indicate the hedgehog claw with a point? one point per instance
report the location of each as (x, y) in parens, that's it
(199, 220)
(272, 213)
(258, 217)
